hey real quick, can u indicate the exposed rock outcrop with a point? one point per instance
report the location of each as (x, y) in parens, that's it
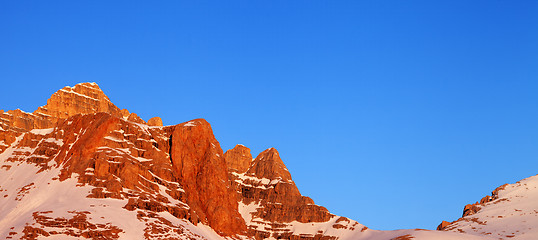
(155, 121)
(443, 225)
(238, 159)
(199, 164)
(83, 98)
(471, 209)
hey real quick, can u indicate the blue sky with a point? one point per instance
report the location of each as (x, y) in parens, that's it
(393, 113)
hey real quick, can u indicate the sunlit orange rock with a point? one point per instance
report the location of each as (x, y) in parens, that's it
(238, 159)
(155, 121)
(178, 169)
(200, 167)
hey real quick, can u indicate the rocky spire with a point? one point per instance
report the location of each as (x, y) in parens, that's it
(238, 159)
(269, 165)
(199, 164)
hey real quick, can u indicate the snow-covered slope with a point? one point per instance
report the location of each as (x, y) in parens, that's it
(33, 200)
(512, 213)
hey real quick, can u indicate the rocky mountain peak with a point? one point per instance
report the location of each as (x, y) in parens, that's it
(238, 159)
(83, 98)
(269, 165)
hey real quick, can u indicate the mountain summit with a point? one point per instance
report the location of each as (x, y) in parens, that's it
(80, 167)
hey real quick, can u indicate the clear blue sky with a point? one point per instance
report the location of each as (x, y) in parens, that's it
(393, 113)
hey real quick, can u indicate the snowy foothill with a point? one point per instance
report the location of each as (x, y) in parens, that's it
(513, 215)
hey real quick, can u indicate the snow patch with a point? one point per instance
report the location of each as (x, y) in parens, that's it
(247, 210)
(114, 139)
(190, 124)
(43, 131)
(262, 183)
(76, 93)
(59, 142)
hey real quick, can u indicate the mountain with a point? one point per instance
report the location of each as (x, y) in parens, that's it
(80, 167)
(511, 212)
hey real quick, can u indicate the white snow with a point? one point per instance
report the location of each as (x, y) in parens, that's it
(8, 153)
(247, 210)
(262, 183)
(141, 159)
(76, 93)
(27, 113)
(416, 234)
(114, 139)
(58, 142)
(190, 124)
(43, 131)
(123, 152)
(514, 215)
(60, 197)
(351, 230)
(40, 113)
(244, 177)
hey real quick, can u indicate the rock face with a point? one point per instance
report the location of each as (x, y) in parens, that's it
(84, 98)
(155, 121)
(269, 165)
(199, 164)
(238, 159)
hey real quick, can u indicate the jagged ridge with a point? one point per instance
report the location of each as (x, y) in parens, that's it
(180, 170)
(80, 167)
